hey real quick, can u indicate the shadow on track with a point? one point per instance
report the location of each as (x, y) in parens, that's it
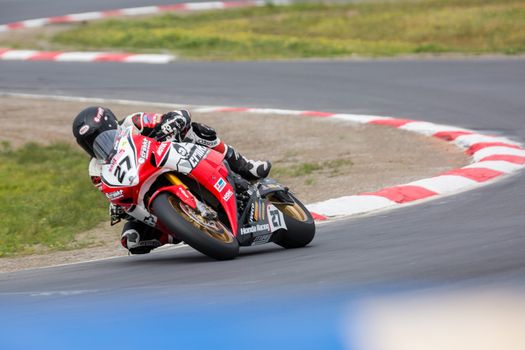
(190, 256)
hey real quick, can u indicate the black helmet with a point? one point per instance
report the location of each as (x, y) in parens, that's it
(90, 123)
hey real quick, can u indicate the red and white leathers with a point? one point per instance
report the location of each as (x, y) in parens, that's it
(140, 234)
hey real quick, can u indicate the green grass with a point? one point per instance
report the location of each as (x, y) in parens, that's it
(47, 198)
(318, 30)
(280, 171)
(329, 168)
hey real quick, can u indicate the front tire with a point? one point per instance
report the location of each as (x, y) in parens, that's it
(299, 222)
(211, 238)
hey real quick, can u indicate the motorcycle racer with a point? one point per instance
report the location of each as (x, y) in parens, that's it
(140, 234)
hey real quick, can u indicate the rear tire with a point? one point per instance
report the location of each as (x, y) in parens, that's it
(211, 238)
(299, 222)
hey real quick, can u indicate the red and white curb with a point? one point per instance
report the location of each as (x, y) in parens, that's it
(134, 11)
(493, 157)
(59, 56)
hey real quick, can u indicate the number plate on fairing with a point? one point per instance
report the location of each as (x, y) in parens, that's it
(276, 218)
(122, 171)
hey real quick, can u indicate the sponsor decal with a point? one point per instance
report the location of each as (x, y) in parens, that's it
(144, 150)
(207, 143)
(115, 159)
(184, 192)
(100, 114)
(259, 212)
(161, 148)
(83, 129)
(227, 195)
(251, 217)
(123, 142)
(150, 243)
(115, 195)
(220, 184)
(198, 154)
(261, 239)
(270, 186)
(183, 166)
(150, 220)
(255, 229)
(150, 118)
(180, 150)
(255, 212)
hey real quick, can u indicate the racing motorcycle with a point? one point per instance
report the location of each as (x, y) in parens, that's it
(188, 191)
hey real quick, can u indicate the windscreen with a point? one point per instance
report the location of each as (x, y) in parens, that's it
(104, 145)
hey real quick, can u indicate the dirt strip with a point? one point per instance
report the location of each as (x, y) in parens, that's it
(317, 158)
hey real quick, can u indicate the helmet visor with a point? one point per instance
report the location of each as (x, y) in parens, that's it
(104, 145)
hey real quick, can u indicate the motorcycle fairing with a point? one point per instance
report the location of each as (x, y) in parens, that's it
(261, 221)
(267, 186)
(213, 175)
(182, 157)
(135, 167)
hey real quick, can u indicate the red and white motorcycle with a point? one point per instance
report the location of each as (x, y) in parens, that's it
(188, 191)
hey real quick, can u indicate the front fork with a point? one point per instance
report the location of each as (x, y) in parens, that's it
(203, 209)
(174, 179)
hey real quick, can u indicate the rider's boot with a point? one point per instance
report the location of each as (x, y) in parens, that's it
(247, 168)
(138, 238)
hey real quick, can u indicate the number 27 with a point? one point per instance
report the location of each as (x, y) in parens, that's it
(120, 173)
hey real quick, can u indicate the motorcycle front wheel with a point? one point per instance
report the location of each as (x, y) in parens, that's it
(210, 237)
(299, 222)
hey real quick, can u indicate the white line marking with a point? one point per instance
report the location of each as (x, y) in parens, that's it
(164, 248)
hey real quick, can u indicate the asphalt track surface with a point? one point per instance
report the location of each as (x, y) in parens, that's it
(476, 237)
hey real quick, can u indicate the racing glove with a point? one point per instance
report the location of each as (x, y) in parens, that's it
(173, 126)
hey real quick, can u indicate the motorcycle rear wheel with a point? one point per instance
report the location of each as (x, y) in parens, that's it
(299, 222)
(209, 237)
